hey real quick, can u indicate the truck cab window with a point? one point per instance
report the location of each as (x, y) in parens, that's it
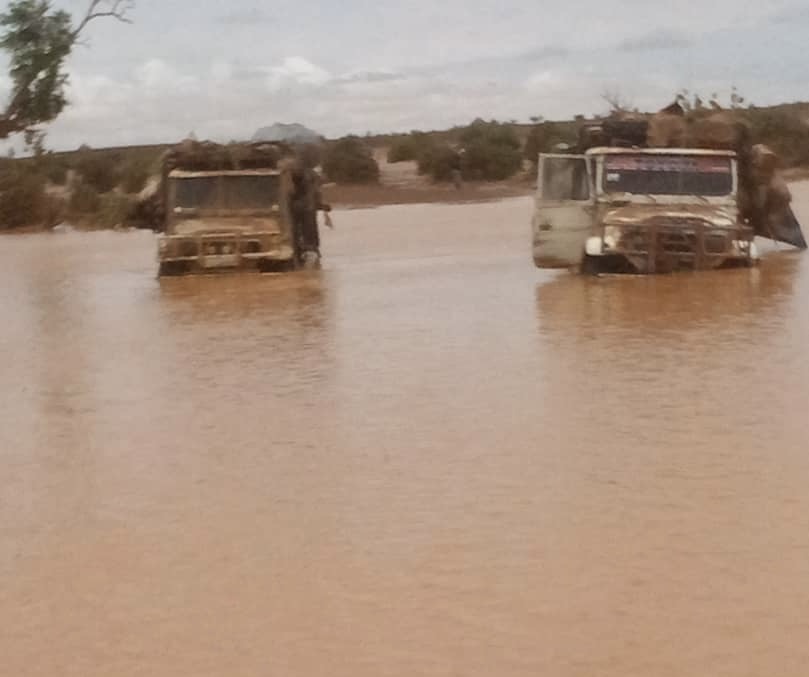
(564, 178)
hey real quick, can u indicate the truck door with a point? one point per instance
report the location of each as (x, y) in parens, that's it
(563, 210)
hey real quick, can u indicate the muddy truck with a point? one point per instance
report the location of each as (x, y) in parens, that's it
(225, 208)
(659, 194)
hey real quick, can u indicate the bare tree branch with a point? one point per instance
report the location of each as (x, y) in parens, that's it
(616, 101)
(116, 9)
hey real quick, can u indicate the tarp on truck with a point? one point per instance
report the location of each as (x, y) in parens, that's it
(201, 156)
(193, 155)
(785, 228)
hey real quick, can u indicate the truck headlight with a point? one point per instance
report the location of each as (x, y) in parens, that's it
(612, 235)
(593, 246)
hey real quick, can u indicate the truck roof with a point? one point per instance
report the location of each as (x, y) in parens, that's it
(613, 150)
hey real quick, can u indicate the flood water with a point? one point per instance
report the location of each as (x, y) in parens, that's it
(427, 459)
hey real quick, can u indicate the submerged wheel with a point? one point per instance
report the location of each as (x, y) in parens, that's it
(171, 268)
(276, 266)
(591, 265)
(609, 264)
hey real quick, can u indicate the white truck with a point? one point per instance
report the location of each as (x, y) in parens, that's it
(640, 210)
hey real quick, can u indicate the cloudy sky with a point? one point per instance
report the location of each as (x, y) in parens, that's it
(223, 68)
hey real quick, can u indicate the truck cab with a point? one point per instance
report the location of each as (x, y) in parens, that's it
(225, 220)
(640, 210)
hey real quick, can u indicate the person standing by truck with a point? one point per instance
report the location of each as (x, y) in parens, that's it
(306, 201)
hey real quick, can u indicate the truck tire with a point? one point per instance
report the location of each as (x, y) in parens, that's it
(170, 268)
(590, 265)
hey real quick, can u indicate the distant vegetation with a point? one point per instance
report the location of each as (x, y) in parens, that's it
(491, 151)
(350, 160)
(98, 187)
(23, 200)
(94, 187)
(784, 131)
(411, 147)
(481, 151)
(545, 137)
(99, 172)
(439, 161)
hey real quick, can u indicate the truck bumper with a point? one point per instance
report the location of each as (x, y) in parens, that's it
(673, 251)
(211, 252)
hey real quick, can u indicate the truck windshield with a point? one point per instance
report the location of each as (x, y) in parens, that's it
(249, 191)
(198, 192)
(668, 175)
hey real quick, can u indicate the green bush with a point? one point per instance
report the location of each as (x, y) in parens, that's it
(113, 210)
(487, 161)
(544, 137)
(400, 150)
(84, 199)
(53, 212)
(494, 133)
(491, 151)
(98, 170)
(439, 162)
(784, 132)
(57, 173)
(53, 167)
(135, 176)
(349, 160)
(22, 198)
(411, 147)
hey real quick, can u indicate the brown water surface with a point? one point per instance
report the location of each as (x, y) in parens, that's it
(427, 459)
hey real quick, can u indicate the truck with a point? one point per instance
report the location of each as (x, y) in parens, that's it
(226, 208)
(630, 208)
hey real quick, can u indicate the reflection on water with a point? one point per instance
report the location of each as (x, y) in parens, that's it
(666, 306)
(428, 458)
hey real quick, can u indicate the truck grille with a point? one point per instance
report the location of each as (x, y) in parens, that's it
(250, 246)
(218, 248)
(677, 241)
(676, 237)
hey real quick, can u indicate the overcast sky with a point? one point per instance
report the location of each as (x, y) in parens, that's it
(222, 69)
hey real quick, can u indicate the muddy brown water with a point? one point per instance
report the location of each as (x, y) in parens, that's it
(427, 459)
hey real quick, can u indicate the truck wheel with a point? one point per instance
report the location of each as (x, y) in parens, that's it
(170, 268)
(590, 265)
(276, 266)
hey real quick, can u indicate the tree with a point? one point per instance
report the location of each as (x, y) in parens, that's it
(38, 40)
(543, 138)
(488, 151)
(492, 151)
(411, 147)
(350, 160)
(99, 170)
(439, 161)
(616, 101)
